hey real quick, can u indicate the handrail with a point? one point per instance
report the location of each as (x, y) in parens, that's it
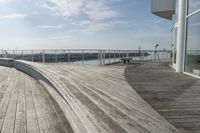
(102, 56)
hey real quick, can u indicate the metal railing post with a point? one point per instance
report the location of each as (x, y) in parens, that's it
(5, 54)
(43, 56)
(83, 58)
(22, 54)
(13, 54)
(104, 57)
(32, 55)
(109, 57)
(127, 53)
(55, 55)
(100, 58)
(114, 56)
(68, 56)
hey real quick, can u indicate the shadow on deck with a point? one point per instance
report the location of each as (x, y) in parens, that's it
(175, 96)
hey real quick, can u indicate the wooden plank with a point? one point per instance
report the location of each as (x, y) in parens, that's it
(32, 119)
(91, 106)
(9, 122)
(43, 121)
(4, 81)
(6, 100)
(53, 114)
(173, 95)
(20, 122)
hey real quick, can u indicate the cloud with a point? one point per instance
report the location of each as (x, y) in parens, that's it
(195, 24)
(61, 38)
(99, 10)
(13, 16)
(50, 26)
(159, 21)
(98, 14)
(2, 1)
(91, 27)
(66, 8)
(96, 10)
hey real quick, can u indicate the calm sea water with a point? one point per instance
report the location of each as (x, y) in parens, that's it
(113, 60)
(96, 62)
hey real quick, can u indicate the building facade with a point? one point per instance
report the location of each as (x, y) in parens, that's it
(186, 32)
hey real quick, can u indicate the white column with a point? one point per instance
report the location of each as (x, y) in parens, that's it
(181, 35)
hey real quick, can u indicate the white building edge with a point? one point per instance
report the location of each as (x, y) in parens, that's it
(186, 32)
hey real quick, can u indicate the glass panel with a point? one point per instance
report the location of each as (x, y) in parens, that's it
(192, 63)
(174, 44)
(194, 5)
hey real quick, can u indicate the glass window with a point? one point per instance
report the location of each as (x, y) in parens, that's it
(174, 44)
(192, 62)
(194, 5)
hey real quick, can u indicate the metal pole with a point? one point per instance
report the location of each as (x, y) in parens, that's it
(55, 55)
(13, 54)
(109, 57)
(100, 57)
(114, 56)
(43, 56)
(22, 54)
(104, 57)
(68, 60)
(182, 11)
(127, 54)
(5, 53)
(83, 58)
(32, 56)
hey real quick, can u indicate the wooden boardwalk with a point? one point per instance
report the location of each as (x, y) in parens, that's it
(26, 107)
(100, 100)
(175, 96)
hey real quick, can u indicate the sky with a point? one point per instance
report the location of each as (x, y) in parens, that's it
(77, 24)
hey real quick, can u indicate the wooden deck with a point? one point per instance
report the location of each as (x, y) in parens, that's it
(26, 107)
(175, 96)
(83, 99)
(100, 100)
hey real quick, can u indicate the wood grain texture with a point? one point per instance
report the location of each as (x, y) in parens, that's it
(99, 99)
(26, 106)
(175, 96)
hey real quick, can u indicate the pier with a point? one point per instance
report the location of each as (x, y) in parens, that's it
(43, 97)
(69, 98)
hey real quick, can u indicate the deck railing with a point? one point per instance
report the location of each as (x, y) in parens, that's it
(86, 56)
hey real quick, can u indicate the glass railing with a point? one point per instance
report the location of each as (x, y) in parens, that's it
(86, 56)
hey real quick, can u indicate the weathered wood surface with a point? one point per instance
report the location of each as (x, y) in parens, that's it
(99, 99)
(175, 96)
(26, 106)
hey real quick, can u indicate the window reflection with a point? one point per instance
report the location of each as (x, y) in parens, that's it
(194, 5)
(192, 64)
